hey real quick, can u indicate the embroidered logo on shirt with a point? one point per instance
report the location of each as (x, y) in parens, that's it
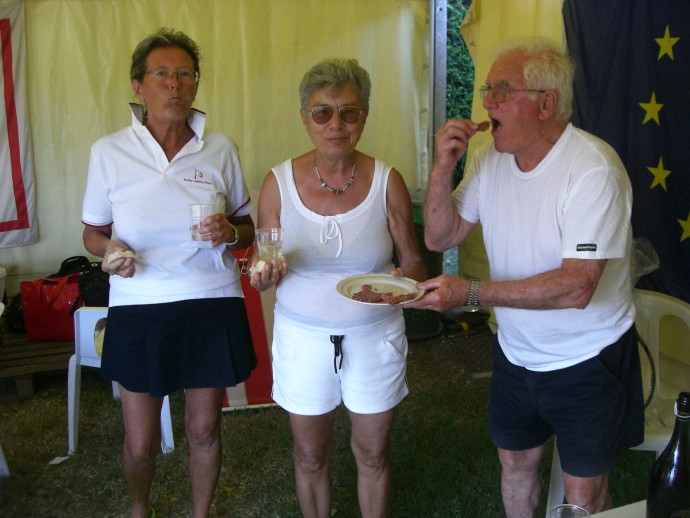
(587, 247)
(198, 178)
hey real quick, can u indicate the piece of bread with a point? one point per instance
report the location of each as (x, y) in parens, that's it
(121, 253)
(257, 267)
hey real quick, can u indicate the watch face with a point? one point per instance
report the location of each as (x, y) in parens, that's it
(471, 308)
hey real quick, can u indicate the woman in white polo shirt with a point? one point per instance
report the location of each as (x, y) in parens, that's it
(177, 320)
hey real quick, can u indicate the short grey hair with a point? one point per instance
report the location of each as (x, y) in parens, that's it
(334, 74)
(547, 67)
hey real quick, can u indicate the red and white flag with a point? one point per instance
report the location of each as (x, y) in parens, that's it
(18, 224)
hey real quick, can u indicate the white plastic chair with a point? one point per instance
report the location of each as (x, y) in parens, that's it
(664, 324)
(661, 319)
(85, 320)
(4, 470)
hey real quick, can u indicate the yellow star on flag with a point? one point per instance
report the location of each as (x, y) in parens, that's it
(652, 108)
(666, 44)
(660, 174)
(686, 228)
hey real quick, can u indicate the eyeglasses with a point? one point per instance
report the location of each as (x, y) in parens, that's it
(349, 114)
(499, 93)
(183, 75)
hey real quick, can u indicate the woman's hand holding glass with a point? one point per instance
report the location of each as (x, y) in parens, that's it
(217, 229)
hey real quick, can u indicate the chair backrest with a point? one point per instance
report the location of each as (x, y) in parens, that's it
(664, 324)
(85, 320)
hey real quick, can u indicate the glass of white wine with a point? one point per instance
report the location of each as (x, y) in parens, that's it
(270, 244)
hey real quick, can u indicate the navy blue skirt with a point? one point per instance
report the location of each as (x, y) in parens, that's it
(162, 348)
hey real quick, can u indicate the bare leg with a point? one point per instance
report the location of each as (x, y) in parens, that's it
(313, 442)
(592, 493)
(202, 415)
(141, 414)
(370, 445)
(520, 484)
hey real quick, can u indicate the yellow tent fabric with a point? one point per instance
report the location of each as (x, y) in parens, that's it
(487, 24)
(254, 53)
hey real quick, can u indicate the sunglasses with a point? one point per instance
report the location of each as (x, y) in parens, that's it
(348, 114)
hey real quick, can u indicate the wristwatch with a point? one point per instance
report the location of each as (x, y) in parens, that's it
(473, 301)
(237, 236)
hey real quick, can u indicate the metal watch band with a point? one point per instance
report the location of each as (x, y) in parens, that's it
(474, 294)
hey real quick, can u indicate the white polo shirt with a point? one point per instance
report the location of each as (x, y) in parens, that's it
(146, 198)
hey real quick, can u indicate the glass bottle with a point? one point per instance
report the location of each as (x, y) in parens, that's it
(669, 482)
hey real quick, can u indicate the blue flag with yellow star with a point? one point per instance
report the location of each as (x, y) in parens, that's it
(632, 89)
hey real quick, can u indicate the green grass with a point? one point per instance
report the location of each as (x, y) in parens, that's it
(444, 464)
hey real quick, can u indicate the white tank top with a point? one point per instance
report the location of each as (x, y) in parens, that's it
(322, 250)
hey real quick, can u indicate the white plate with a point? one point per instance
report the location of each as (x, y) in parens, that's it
(381, 283)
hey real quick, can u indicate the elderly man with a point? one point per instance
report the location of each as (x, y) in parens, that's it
(554, 203)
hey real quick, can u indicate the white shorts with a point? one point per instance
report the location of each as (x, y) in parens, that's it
(308, 379)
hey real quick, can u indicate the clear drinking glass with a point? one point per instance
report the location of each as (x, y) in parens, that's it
(568, 511)
(199, 211)
(270, 244)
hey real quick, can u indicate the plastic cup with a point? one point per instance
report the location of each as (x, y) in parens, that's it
(568, 511)
(270, 244)
(199, 211)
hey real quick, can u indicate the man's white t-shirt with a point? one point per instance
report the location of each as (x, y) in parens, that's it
(575, 204)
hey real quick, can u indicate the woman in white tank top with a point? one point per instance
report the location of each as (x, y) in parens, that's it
(342, 213)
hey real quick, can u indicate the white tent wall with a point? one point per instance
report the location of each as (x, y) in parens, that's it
(254, 53)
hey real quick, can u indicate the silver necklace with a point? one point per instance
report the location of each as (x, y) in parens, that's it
(350, 180)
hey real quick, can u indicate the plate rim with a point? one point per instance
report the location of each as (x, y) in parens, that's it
(405, 280)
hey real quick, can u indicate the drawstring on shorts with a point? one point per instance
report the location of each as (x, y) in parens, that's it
(337, 341)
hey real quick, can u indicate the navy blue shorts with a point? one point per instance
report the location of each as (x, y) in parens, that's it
(162, 348)
(594, 408)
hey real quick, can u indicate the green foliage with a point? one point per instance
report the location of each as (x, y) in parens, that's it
(460, 72)
(460, 69)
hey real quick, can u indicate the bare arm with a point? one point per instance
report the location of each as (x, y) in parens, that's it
(99, 242)
(269, 203)
(245, 229)
(96, 239)
(401, 226)
(444, 228)
(570, 286)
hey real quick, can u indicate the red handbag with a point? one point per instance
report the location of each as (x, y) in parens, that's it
(48, 307)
